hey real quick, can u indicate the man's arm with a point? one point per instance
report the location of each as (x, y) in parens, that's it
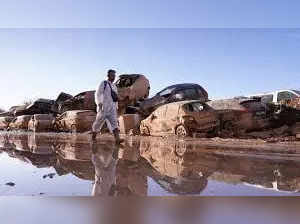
(99, 94)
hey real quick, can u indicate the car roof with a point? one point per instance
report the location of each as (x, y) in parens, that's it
(183, 85)
(129, 75)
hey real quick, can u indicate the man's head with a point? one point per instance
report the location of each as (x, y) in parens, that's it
(111, 75)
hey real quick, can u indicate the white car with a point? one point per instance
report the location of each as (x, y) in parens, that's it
(277, 96)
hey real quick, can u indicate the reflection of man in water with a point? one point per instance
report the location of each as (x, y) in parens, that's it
(105, 160)
(117, 172)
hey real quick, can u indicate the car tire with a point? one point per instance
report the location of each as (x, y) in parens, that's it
(182, 131)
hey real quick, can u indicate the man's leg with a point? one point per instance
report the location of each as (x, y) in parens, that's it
(97, 125)
(115, 127)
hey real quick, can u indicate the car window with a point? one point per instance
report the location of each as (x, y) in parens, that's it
(267, 98)
(166, 92)
(125, 82)
(285, 96)
(188, 93)
(194, 107)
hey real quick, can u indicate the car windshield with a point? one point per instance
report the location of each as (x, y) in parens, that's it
(166, 92)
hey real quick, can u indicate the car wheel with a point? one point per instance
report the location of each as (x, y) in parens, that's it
(181, 131)
(144, 130)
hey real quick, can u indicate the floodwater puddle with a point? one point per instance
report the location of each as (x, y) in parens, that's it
(35, 164)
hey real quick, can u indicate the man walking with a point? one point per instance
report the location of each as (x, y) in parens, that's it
(106, 99)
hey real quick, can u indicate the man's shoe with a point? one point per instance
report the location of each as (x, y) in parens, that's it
(94, 135)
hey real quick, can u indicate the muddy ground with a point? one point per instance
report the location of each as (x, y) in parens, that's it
(49, 163)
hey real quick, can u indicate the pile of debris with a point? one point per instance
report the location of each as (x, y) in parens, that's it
(183, 110)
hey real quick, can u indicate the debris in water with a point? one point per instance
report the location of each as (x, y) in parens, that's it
(11, 184)
(50, 175)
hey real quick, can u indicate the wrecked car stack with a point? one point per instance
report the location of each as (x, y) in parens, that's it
(182, 109)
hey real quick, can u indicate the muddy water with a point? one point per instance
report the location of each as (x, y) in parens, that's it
(66, 165)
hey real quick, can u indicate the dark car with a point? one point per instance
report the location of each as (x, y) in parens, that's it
(82, 101)
(174, 93)
(40, 106)
(62, 97)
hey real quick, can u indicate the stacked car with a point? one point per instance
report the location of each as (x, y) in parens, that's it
(41, 123)
(75, 121)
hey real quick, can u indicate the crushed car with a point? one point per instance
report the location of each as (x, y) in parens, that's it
(82, 101)
(182, 118)
(75, 121)
(39, 106)
(4, 122)
(20, 123)
(241, 114)
(174, 93)
(131, 89)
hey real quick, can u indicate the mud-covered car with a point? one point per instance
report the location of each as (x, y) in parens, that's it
(82, 101)
(174, 93)
(75, 121)
(131, 89)
(20, 123)
(41, 123)
(39, 106)
(242, 114)
(181, 118)
(4, 122)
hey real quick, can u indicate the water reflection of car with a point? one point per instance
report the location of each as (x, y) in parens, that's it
(132, 88)
(179, 174)
(181, 118)
(174, 93)
(82, 101)
(242, 114)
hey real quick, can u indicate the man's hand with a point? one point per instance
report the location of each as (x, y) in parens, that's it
(100, 106)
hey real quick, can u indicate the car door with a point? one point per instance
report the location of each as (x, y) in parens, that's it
(171, 119)
(158, 120)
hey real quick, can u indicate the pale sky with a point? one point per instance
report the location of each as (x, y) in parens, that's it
(227, 62)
